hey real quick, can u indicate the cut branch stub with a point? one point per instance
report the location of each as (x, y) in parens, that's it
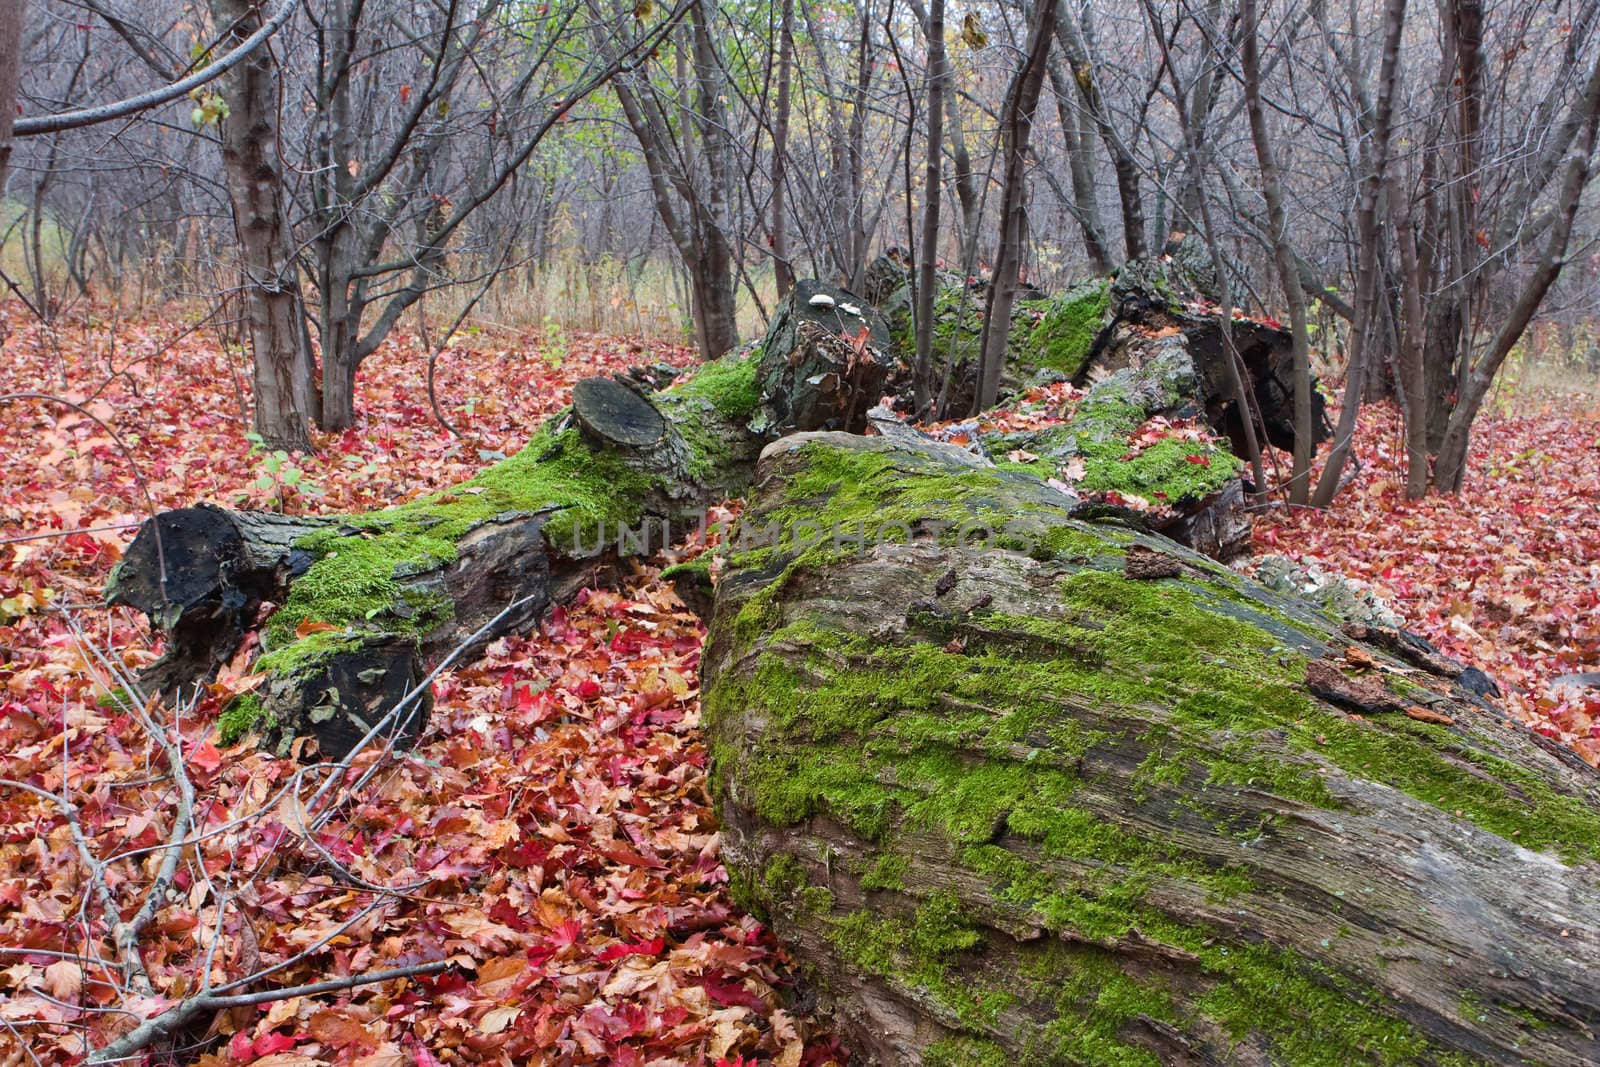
(1007, 803)
(610, 413)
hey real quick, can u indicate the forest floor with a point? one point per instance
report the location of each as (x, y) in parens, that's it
(556, 828)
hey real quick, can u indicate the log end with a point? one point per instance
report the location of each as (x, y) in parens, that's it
(612, 414)
(176, 561)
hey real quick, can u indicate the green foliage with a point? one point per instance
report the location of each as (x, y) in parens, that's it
(281, 477)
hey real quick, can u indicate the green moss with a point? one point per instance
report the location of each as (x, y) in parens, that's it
(1068, 324)
(594, 489)
(697, 570)
(889, 872)
(1094, 1000)
(1132, 644)
(999, 736)
(845, 499)
(957, 325)
(1169, 471)
(306, 652)
(923, 952)
(358, 576)
(242, 715)
(785, 885)
(116, 697)
(965, 1052)
(728, 383)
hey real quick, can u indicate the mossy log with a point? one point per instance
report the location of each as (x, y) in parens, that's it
(1184, 488)
(367, 604)
(1172, 294)
(1042, 791)
(1082, 333)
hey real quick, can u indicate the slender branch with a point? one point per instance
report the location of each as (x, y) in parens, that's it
(93, 116)
(175, 1018)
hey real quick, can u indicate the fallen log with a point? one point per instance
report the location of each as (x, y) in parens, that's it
(1096, 328)
(367, 604)
(1182, 482)
(354, 611)
(1046, 791)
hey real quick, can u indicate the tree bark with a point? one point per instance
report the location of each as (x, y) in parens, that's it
(1288, 270)
(11, 41)
(1075, 43)
(1016, 121)
(1077, 129)
(284, 386)
(1364, 322)
(692, 206)
(1479, 373)
(927, 282)
(783, 270)
(1052, 793)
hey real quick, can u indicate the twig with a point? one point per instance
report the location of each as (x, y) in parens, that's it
(174, 1018)
(127, 946)
(393, 716)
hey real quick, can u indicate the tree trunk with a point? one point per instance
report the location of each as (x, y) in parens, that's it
(1410, 375)
(1049, 792)
(1364, 322)
(927, 265)
(284, 384)
(1288, 270)
(783, 270)
(1016, 128)
(11, 41)
(1077, 129)
(1479, 371)
(1075, 43)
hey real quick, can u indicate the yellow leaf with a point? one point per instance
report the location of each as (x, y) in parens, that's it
(497, 1019)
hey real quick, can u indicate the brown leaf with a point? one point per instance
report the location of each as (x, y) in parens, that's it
(1422, 714)
(63, 980)
(1359, 658)
(340, 1030)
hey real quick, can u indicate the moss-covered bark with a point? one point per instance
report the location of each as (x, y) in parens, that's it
(1068, 794)
(370, 602)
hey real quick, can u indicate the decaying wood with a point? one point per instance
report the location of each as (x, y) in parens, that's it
(824, 361)
(1014, 804)
(670, 457)
(823, 365)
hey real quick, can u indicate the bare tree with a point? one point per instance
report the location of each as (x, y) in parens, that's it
(252, 154)
(927, 280)
(690, 169)
(1022, 100)
(1288, 269)
(1374, 157)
